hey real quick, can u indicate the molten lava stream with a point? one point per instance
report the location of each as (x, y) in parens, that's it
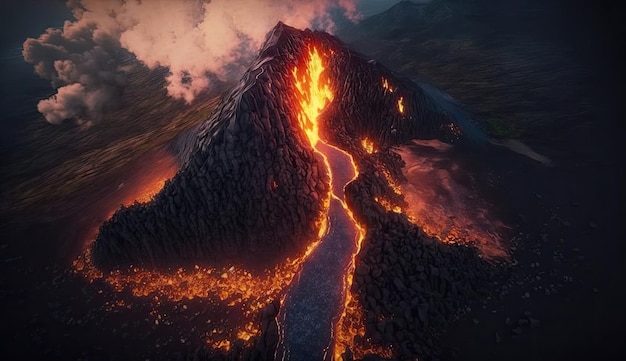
(315, 303)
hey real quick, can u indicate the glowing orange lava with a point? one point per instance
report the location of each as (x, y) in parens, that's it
(386, 85)
(234, 287)
(368, 145)
(390, 89)
(315, 93)
(147, 191)
(389, 207)
(350, 330)
(395, 187)
(401, 105)
(238, 289)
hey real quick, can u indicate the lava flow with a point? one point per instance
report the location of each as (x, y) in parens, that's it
(312, 294)
(232, 287)
(252, 189)
(389, 88)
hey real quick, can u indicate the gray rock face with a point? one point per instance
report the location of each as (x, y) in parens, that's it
(251, 185)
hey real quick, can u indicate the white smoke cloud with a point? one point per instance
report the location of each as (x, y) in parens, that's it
(193, 38)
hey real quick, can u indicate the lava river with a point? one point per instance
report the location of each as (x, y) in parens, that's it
(315, 298)
(314, 302)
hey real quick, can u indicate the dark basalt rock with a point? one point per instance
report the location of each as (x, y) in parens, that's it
(250, 187)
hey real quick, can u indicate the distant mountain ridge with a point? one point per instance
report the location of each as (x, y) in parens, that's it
(403, 16)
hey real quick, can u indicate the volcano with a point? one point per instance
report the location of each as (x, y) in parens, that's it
(297, 163)
(251, 184)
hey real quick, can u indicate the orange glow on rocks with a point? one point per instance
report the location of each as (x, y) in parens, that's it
(401, 105)
(389, 207)
(350, 324)
(368, 145)
(351, 333)
(446, 210)
(386, 85)
(144, 182)
(390, 89)
(241, 291)
(244, 293)
(391, 182)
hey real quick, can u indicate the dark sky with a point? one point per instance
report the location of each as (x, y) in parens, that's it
(24, 18)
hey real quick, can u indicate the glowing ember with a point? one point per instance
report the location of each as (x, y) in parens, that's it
(389, 88)
(368, 145)
(391, 182)
(389, 207)
(455, 130)
(401, 105)
(445, 209)
(386, 85)
(235, 287)
(351, 333)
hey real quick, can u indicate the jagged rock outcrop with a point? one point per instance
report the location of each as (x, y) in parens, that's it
(251, 186)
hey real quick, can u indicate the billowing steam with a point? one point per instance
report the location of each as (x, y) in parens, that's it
(193, 38)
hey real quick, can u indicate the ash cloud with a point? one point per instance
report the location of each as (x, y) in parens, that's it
(82, 61)
(195, 39)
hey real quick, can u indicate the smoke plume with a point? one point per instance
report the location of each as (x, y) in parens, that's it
(192, 38)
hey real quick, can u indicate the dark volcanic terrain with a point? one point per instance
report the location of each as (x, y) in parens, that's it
(544, 73)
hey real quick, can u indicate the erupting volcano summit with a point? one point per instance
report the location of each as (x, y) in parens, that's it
(298, 156)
